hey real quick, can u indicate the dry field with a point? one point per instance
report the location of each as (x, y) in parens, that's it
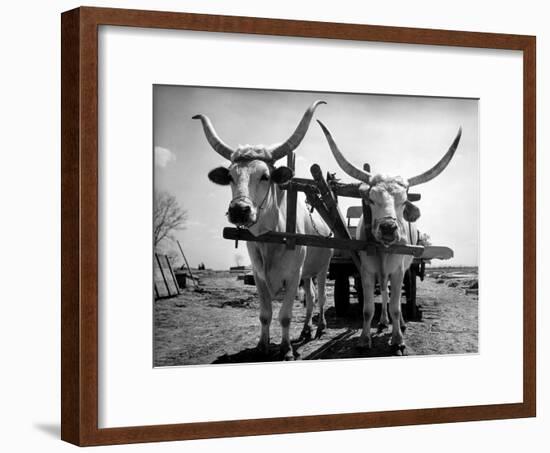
(218, 323)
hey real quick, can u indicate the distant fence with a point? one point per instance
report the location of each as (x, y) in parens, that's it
(164, 279)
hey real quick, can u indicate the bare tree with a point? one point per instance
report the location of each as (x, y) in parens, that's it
(168, 217)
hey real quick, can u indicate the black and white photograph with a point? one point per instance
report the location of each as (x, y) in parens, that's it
(296, 225)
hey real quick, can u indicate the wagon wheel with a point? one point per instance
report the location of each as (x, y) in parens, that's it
(341, 294)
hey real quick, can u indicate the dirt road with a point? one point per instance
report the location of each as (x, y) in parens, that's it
(219, 324)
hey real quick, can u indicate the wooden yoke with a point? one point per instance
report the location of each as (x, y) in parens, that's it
(322, 196)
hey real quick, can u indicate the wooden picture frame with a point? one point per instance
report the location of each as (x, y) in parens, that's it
(79, 313)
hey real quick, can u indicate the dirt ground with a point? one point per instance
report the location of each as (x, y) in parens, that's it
(218, 323)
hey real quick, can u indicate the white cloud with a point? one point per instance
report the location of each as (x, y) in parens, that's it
(163, 156)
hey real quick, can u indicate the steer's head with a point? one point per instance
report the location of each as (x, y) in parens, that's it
(387, 195)
(252, 173)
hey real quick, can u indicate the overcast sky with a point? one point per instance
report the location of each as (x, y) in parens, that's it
(397, 135)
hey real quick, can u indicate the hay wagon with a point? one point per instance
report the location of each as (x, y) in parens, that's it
(322, 194)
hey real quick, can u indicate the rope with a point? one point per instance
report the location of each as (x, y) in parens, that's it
(310, 212)
(244, 197)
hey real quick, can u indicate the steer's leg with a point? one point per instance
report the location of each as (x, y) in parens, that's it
(285, 316)
(266, 313)
(310, 296)
(384, 319)
(322, 297)
(395, 309)
(368, 281)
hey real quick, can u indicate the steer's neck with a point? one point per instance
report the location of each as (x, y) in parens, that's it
(272, 215)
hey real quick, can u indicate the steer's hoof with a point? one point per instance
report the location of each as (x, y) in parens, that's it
(399, 350)
(305, 335)
(263, 349)
(319, 332)
(365, 342)
(287, 354)
(381, 327)
(403, 327)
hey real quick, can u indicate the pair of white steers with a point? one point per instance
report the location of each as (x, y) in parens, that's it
(259, 204)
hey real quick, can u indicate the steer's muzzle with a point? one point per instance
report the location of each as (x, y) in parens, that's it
(241, 214)
(387, 232)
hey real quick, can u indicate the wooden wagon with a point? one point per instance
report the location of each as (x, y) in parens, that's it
(322, 195)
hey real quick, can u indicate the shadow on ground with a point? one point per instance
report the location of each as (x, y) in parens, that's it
(339, 341)
(253, 355)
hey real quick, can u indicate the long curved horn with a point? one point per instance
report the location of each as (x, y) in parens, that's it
(345, 165)
(440, 166)
(215, 142)
(281, 150)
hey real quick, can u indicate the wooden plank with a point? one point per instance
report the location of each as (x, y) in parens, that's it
(340, 189)
(311, 240)
(338, 224)
(71, 222)
(163, 276)
(437, 252)
(177, 287)
(316, 202)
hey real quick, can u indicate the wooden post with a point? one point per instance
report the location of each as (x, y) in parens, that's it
(187, 264)
(291, 202)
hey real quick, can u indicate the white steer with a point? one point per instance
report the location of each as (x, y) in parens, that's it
(392, 223)
(259, 204)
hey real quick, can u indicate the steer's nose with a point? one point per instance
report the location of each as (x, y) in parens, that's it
(388, 228)
(239, 213)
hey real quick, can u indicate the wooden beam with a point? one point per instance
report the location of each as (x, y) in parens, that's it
(339, 224)
(311, 240)
(330, 201)
(340, 189)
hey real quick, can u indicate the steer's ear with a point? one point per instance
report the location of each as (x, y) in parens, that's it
(411, 213)
(220, 176)
(282, 175)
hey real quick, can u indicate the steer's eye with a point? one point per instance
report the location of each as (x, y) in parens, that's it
(264, 177)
